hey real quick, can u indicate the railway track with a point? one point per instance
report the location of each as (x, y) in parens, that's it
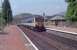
(49, 41)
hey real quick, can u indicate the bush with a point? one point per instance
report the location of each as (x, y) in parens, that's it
(2, 23)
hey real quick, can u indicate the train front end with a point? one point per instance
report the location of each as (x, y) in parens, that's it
(39, 24)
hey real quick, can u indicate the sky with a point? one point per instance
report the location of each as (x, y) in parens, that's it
(50, 7)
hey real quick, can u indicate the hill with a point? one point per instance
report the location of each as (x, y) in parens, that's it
(28, 18)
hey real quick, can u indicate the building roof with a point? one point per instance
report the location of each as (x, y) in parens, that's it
(58, 18)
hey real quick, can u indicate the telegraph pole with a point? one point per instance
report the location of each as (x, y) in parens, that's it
(44, 17)
(1, 15)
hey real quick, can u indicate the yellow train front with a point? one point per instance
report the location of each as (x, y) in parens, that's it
(39, 24)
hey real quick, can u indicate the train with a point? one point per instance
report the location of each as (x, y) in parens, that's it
(39, 24)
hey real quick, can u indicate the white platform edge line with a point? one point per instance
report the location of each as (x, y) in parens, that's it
(62, 31)
(28, 39)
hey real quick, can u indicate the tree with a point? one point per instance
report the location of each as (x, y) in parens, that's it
(0, 14)
(6, 11)
(69, 0)
(71, 13)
